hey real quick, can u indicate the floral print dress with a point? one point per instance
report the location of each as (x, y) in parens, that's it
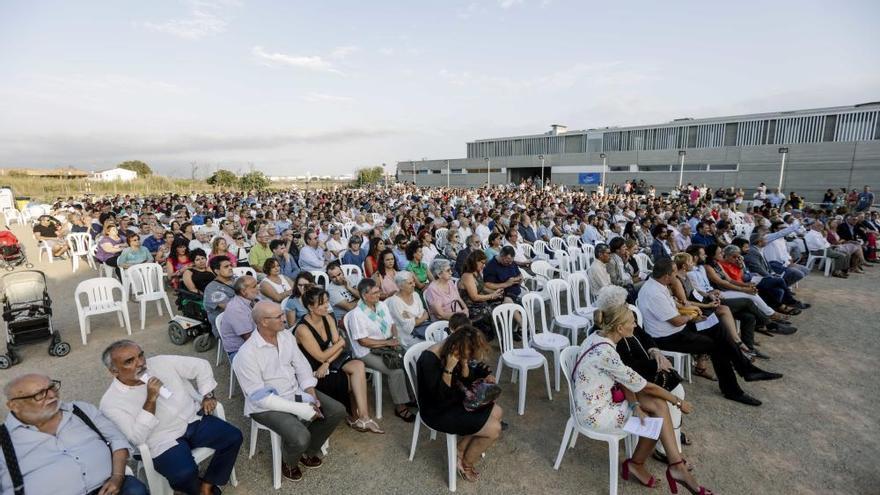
(597, 372)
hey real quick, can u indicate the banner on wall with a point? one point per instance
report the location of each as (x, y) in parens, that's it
(589, 179)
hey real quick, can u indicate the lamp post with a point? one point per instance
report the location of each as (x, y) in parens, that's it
(541, 157)
(784, 152)
(414, 172)
(681, 154)
(447, 174)
(385, 173)
(488, 172)
(604, 158)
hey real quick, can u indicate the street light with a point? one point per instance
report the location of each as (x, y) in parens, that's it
(447, 174)
(385, 172)
(414, 172)
(541, 157)
(488, 174)
(784, 152)
(681, 154)
(604, 157)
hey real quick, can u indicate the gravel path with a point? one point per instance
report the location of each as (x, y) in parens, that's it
(815, 432)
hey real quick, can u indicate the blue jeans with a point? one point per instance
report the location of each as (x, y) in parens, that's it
(178, 466)
(791, 274)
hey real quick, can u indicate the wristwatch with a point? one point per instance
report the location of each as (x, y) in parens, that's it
(209, 395)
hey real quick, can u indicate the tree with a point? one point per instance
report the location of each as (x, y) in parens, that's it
(253, 180)
(138, 166)
(223, 178)
(369, 175)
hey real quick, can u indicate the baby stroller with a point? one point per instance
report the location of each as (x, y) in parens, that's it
(192, 323)
(27, 311)
(12, 252)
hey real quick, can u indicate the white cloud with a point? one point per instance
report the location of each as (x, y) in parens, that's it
(207, 18)
(506, 4)
(603, 74)
(314, 62)
(342, 52)
(324, 97)
(386, 51)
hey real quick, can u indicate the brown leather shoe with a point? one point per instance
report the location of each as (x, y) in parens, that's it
(293, 473)
(311, 462)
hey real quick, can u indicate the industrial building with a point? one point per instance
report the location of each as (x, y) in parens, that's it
(822, 148)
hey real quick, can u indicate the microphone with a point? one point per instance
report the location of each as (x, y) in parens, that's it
(163, 390)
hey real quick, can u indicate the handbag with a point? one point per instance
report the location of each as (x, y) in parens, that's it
(479, 395)
(617, 395)
(392, 357)
(337, 364)
(668, 379)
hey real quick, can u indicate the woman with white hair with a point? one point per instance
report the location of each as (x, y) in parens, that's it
(407, 310)
(441, 295)
(599, 375)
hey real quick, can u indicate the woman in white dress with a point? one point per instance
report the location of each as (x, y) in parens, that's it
(596, 371)
(274, 285)
(407, 310)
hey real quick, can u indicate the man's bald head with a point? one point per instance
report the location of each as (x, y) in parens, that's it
(22, 385)
(266, 313)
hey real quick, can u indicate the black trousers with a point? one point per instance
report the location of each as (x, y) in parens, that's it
(749, 317)
(725, 356)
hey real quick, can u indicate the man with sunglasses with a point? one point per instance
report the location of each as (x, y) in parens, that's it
(60, 447)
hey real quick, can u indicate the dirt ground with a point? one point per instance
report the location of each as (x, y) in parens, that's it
(817, 432)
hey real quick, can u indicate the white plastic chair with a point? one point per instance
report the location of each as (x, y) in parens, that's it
(644, 262)
(220, 350)
(239, 271)
(579, 285)
(321, 277)
(822, 259)
(521, 360)
(436, 332)
(146, 284)
(573, 427)
(275, 440)
(680, 361)
(440, 238)
(540, 248)
(564, 259)
(99, 300)
(590, 251)
(80, 244)
(11, 215)
(44, 249)
(557, 243)
(571, 322)
(573, 241)
(545, 340)
(157, 483)
(353, 274)
(377, 376)
(409, 361)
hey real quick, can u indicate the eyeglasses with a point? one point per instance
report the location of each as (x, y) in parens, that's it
(54, 386)
(276, 317)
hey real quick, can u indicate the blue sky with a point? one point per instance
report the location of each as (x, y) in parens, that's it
(326, 87)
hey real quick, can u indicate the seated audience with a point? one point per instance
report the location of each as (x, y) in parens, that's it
(275, 286)
(441, 296)
(197, 276)
(407, 310)
(343, 297)
(237, 324)
(295, 309)
(386, 274)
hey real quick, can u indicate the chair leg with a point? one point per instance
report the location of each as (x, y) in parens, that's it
(613, 446)
(168, 306)
(219, 349)
(159, 306)
(84, 329)
(276, 459)
(499, 368)
(547, 380)
(255, 432)
(557, 366)
(143, 313)
(569, 426)
(452, 460)
(231, 381)
(417, 425)
(522, 392)
(377, 389)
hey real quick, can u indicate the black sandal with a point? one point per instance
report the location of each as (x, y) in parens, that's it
(405, 414)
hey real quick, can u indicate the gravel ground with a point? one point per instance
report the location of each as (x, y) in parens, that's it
(815, 432)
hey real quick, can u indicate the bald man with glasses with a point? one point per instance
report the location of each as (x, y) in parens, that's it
(60, 448)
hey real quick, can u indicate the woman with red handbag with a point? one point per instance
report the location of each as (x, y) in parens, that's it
(607, 393)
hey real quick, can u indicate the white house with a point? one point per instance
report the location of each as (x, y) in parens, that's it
(120, 174)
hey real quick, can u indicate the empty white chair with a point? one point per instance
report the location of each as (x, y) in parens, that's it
(275, 441)
(573, 427)
(544, 340)
(436, 332)
(644, 262)
(440, 238)
(223, 351)
(590, 251)
(80, 244)
(822, 259)
(377, 376)
(321, 277)
(573, 241)
(13, 216)
(557, 243)
(680, 361)
(571, 322)
(157, 483)
(564, 259)
(239, 271)
(544, 271)
(579, 285)
(409, 363)
(353, 273)
(146, 284)
(521, 360)
(574, 261)
(100, 299)
(540, 248)
(527, 249)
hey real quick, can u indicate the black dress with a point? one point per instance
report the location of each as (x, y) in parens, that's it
(441, 406)
(335, 383)
(202, 279)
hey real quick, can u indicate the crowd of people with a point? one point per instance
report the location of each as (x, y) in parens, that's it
(345, 281)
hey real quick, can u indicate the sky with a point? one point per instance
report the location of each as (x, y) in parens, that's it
(292, 87)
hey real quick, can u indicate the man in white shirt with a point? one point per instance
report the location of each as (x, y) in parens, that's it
(591, 233)
(673, 331)
(311, 257)
(342, 296)
(202, 241)
(279, 391)
(818, 245)
(168, 415)
(776, 254)
(598, 272)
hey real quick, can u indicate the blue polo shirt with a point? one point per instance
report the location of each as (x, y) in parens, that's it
(152, 244)
(497, 273)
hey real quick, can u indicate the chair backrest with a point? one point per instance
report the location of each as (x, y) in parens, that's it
(146, 279)
(79, 243)
(573, 241)
(635, 309)
(240, 271)
(527, 249)
(531, 302)
(567, 359)
(540, 248)
(353, 273)
(564, 259)
(573, 256)
(579, 284)
(583, 261)
(99, 293)
(557, 243)
(503, 317)
(590, 251)
(543, 268)
(321, 277)
(643, 261)
(436, 332)
(410, 359)
(440, 238)
(555, 288)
